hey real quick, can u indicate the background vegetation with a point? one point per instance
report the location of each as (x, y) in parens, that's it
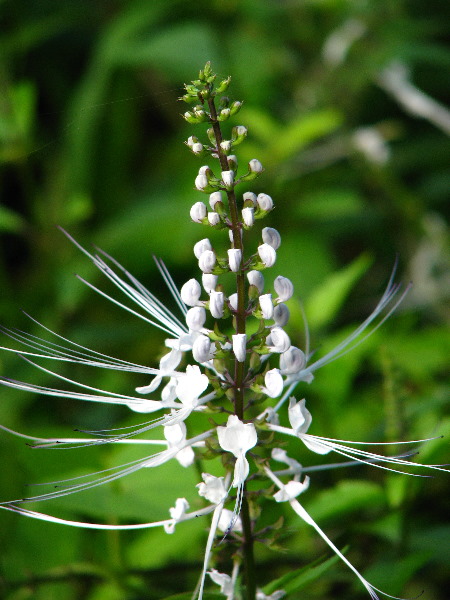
(91, 139)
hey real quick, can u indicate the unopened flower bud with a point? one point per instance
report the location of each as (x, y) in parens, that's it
(233, 300)
(190, 117)
(201, 246)
(206, 171)
(257, 279)
(209, 282)
(283, 287)
(207, 261)
(278, 340)
(201, 183)
(265, 202)
(267, 255)
(232, 162)
(235, 107)
(255, 166)
(228, 179)
(239, 346)
(190, 292)
(201, 349)
(214, 198)
(234, 259)
(273, 383)
(281, 314)
(226, 145)
(216, 301)
(248, 216)
(272, 237)
(292, 361)
(195, 318)
(213, 218)
(265, 302)
(198, 212)
(191, 141)
(224, 114)
(197, 148)
(238, 134)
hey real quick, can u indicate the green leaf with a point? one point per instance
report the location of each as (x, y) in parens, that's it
(326, 300)
(300, 578)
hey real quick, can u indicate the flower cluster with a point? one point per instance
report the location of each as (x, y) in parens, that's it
(228, 355)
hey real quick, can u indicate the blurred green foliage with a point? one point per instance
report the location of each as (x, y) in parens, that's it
(91, 139)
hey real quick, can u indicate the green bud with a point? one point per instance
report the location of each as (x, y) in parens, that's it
(255, 361)
(224, 114)
(223, 85)
(253, 292)
(219, 365)
(235, 107)
(211, 136)
(238, 134)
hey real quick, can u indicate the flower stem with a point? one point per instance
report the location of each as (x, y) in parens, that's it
(239, 367)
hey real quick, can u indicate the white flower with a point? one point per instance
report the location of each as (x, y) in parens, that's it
(265, 202)
(201, 183)
(224, 581)
(239, 346)
(234, 259)
(250, 196)
(207, 261)
(256, 278)
(195, 318)
(228, 179)
(292, 361)
(191, 292)
(213, 218)
(233, 300)
(214, 198)
(228, 518)
(273, 383)
(177, 513)
(175, 435)
(267, 255)
(280, 455)
(266, 304)
(238, 438)
(201, 350)
(216, 303)
(248, 216)
(213, 488)
(201, 246)
(278, 340)
(283, 287)
(209, 282)
(275, 596)
(281, 314)
(168, 363)
(291, 490)
(272, 237)
(191, 385)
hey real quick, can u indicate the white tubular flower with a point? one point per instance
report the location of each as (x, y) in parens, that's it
(248, 216)
(292, 361)
(209, 282)
(272, 237)
(213, 218)
(280, 455)
(177, 513)
(281, 314)
(214, 198)
(256, 278)
(228, 517)
(267, 255)
(176, 437)
(201, 349)
(224, 581)
(291, 490)
(168, 363)
(266, 304)
(198, 210)
(190, 292)
(207, 261)
(234, 259)
(284, 288)
(300, 420)
(238, 438)
(201, 183)
(201, 247)
(233, 300)
(273, 383)
(255, 166)
(239, 346)
(191, 385)
(216, 302)
(195, 318)
(228, 179)
(278, 340)
(265, 202)
(213, 488)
